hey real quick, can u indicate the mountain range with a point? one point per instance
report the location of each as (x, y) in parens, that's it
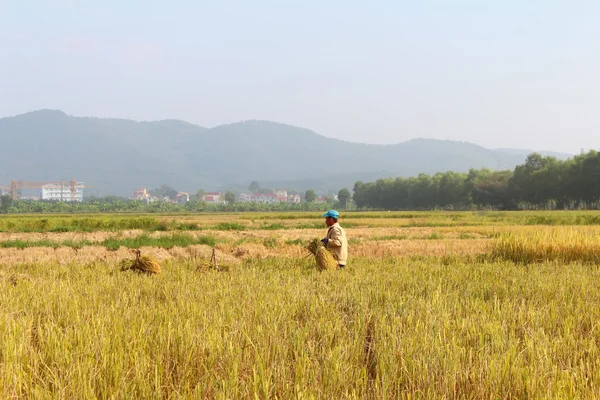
(117, 156)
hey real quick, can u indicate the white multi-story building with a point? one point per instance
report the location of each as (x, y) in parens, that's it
(265, 198)
(245, 198)
(282, 195)
(63, 191)
(182, 198)
(140, 194)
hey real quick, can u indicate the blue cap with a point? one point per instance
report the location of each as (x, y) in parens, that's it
(332, 214)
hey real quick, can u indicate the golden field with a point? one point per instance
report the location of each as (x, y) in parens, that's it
(431, 305)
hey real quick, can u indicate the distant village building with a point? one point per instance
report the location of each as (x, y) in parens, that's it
(279, 196)
(282, 195)
(320, 200)
(213, 198)
(182, 198)
(264, 198)
(245, 198)
(140, 194)
(63, 192)
(293, 198)
(267, 198)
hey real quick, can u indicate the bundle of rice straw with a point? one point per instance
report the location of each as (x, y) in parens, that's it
(204, 265)
(144, 264)
(323, 257)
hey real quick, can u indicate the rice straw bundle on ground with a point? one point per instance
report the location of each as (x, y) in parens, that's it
(204, 265)
(145, 264)
(323, 257)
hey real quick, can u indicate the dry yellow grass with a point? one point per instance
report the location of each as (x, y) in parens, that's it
(565, 245)
(13, 278)
(232, 253)
(235, 246)
(366, 233)
(421, 247)
(97, 236)
(368, 249)
(257, 235)
(91, 254)
(394, 326)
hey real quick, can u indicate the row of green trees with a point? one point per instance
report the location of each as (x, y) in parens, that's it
(117, 204)
(539, 183)
(113, 205)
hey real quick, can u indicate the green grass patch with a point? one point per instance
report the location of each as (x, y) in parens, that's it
(296, 242)
(229, 226)
(563, 219)
(165, 242)
(272, 227)
(270, 243)
(77, 223)
(311, 225)
(390, 237)
(23, 244)
(186, 226)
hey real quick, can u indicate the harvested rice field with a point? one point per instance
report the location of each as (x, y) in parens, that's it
(431, 305)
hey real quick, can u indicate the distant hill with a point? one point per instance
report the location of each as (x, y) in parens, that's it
(117, 155)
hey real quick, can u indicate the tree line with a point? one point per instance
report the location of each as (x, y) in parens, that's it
(539, 183)
(113, 204)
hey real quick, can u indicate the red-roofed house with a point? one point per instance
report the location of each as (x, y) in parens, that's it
(213, 198)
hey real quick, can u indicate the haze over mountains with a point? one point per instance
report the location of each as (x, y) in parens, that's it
(117, 156)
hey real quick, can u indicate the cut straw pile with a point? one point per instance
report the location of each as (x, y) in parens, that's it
(143, 264)
(323, 257)
(205, 265)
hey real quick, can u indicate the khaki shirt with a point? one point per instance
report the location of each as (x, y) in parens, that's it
(337, 244)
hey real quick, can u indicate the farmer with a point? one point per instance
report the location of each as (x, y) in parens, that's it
(336, 241)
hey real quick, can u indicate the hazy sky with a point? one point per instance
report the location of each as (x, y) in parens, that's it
(504, 73)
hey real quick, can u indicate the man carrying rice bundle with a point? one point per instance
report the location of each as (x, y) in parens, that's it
(336, 241)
